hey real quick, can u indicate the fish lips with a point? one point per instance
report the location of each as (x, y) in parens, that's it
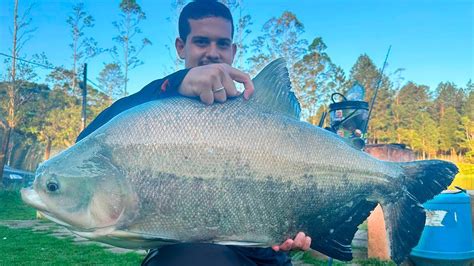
(31, 198)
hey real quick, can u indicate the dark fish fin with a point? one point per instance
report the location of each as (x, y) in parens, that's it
(337, 244)
(273, 90)
(405, 218)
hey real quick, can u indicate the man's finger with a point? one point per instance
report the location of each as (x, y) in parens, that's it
(220, 94)
(299, 240)
(287, 245)
(307, 243)
(207, 96)
(243, 78)
(229, 86)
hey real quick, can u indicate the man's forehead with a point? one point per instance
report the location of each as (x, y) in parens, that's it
(211, 27)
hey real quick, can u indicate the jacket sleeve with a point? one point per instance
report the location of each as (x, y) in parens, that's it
(158, 89)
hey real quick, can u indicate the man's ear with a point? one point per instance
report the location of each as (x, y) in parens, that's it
(179, 44)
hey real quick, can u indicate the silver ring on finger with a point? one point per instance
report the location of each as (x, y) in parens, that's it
(218, 90)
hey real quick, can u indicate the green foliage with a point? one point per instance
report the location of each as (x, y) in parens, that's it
(281, 38)
(451, 131)
(316, 77)
(28, 247)
(469, 107)
(448, 95)
(111, 78)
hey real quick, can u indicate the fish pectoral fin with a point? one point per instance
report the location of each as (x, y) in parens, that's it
(126, 239)
(121, 234)
(337, 242)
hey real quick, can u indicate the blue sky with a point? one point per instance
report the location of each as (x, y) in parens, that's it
(432, 40)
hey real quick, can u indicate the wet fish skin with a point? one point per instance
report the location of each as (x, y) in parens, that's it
(247, 173)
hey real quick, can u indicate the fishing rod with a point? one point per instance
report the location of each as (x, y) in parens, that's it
(376, 89)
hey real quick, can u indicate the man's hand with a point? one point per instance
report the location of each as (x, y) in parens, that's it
(215, 82)
(301, 241)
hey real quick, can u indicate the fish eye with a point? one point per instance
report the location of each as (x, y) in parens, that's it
(52, 186)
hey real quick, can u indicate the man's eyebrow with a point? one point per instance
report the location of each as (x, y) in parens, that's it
(207, 38)
(224, 39)
(200, 37)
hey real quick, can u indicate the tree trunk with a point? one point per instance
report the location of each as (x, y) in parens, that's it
(47, 151)
(4, 152)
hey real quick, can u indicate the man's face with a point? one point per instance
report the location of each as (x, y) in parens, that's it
(210, 41)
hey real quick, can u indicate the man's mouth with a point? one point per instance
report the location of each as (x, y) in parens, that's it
(203, 63)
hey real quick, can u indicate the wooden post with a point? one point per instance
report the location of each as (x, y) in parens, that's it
(377, 241)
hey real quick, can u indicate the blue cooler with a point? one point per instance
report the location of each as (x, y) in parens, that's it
(448, 235)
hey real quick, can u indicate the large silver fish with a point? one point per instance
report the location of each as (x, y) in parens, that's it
(242, 173)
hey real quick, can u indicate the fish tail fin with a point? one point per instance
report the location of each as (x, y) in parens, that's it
(405, 218)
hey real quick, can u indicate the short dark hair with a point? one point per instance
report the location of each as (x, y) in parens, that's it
(199, 9)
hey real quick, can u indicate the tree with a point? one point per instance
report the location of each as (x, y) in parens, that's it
(111, 78)
(281, 38)
(448, 95)
(451, 131)
(428, 133)
(468, 144)
(468, 109)
(410, 100)
(31, 93)
(128, 30)
(56, 123)
(317, 78)
(365, 72)
(17, 73)
(82, 47)
(43, 124)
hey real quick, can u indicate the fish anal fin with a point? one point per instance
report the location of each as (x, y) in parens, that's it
(337, 243)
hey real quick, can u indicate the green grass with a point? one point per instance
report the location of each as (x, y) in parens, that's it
(13, 208)
(25, 247)
(28, 247)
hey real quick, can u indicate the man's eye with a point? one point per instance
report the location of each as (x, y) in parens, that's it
(223, 44)
(200, 42)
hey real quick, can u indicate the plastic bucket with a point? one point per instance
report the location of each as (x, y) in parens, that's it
(348, 116)
(447, 238)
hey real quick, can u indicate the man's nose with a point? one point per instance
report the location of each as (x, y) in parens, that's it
(212, 52)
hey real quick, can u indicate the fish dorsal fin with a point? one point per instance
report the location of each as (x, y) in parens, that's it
(273, 90)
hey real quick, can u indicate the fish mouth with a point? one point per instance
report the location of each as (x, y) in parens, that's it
(31, 198)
